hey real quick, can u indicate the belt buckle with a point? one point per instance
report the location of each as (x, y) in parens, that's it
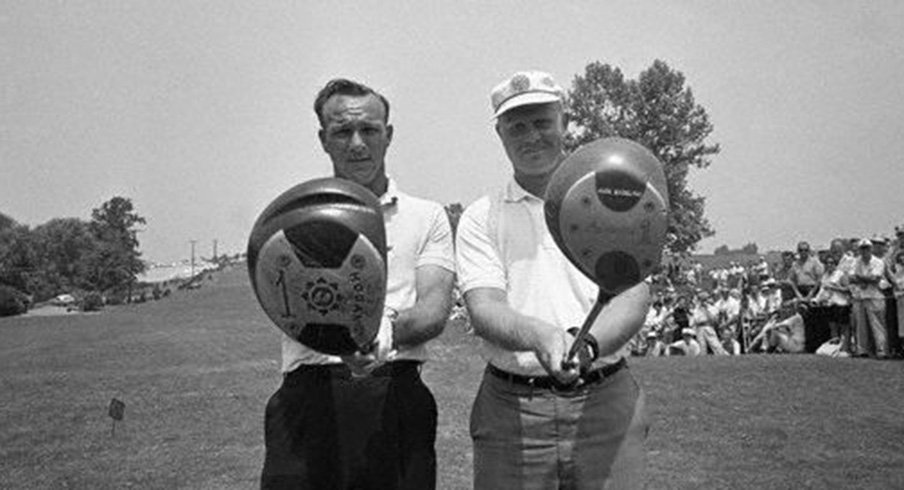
(561, 388)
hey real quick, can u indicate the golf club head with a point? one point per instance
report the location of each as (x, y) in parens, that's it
(607, 208)
(317, 262)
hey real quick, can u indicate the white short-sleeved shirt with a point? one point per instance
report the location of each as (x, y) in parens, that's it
(830, 295)
(728, 308)
(502, 242)
(876, 269)
(704, 315)
(417, 234)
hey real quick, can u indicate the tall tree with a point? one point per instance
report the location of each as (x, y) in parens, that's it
(6, 222)
(117, 260)
(63, 247)
(18, 258)
(658, 111)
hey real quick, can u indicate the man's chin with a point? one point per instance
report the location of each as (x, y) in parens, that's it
(538, 167)
(361, 178)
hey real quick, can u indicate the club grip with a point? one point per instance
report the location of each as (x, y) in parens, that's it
(601, 301)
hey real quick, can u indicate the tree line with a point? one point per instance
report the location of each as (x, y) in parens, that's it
(749, 249)
(72, 255)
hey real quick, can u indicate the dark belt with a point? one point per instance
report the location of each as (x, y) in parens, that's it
(390, 369)
(550, 383)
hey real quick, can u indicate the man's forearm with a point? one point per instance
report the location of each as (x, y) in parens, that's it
(427, 318)
(621, 319)
(419, 324)
(499, 324)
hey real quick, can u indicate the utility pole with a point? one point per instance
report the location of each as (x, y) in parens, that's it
(193, 257)
(214, 249)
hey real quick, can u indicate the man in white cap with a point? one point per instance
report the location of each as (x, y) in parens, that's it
(687, 346)
(868, 302)
(536, 422)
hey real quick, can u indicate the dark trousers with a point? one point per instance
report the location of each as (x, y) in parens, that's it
(816, 325)
(891, 322)
(327, 430)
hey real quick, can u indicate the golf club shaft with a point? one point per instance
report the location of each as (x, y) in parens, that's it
(585, 328)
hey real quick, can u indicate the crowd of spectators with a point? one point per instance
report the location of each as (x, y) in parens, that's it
(847, 300)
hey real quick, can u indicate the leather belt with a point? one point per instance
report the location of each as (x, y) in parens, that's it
(390, 369)
(550, 383)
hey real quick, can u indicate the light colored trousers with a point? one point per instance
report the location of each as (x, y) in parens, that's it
(900, 300)
(707, 336)
(868, 317)
(531, 439)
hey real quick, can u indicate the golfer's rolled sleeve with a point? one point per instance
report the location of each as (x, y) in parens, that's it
(479, 264)
(437, 248)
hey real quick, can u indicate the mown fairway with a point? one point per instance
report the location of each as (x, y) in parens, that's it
(195, 371)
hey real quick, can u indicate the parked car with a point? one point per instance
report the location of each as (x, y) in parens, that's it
(63, 300)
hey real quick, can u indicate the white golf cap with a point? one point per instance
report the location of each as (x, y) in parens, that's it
(524, 88)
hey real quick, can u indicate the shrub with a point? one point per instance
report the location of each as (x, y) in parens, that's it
(12, 302)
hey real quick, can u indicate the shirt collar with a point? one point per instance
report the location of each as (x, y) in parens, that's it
(514, 192)
(391, 197)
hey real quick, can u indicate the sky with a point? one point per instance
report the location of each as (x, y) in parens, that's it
(201, 112)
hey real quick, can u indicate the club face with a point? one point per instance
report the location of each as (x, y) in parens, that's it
(334, 310)
(607, 210)
(616, 246)
(317, 263)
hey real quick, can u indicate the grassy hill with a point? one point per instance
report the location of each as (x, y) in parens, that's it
(195, 371)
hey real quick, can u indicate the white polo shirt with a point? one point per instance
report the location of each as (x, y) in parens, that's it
(417, 234)
(875, 269)
(728, 307)
(502, 242)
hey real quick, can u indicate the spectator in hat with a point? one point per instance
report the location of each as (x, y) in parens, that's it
(728, 307)
(868, 302)
(655, 347)
(774, 298)
(762, 269)
(880, 245)
(757, 302)
(687, 346)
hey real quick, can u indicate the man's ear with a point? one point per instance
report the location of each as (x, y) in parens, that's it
(389, 131)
